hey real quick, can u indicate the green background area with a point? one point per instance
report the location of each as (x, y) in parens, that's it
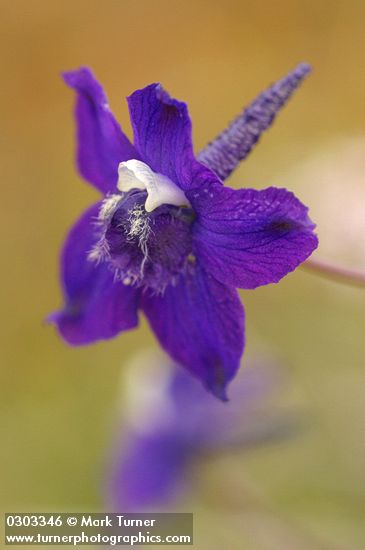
(59, 406)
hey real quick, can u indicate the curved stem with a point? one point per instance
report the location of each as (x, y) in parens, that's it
(270, 529)
(335, 272)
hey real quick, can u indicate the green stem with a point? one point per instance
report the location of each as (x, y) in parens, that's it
(335, 272)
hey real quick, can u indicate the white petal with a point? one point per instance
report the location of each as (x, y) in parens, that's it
(163, 191)
(128, 176)
(135, 174)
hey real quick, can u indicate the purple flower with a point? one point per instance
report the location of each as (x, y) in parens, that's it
(167, 237)
(171, 421)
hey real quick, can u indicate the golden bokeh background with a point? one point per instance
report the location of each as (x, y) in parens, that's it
(58, 404)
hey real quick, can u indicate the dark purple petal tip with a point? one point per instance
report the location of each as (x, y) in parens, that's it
(248, 238)
(200, 323)
(163, 135)
(96, 306)
(101, 144)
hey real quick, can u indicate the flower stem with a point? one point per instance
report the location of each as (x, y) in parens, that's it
(257, 519)
(338, 273)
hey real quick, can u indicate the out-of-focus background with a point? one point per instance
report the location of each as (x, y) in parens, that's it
(58, 404)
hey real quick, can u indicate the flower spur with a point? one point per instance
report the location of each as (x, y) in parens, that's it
(168, 238)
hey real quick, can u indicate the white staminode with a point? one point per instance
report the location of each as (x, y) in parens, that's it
(134, 174)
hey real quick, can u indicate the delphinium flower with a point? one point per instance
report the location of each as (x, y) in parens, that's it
(167, 237)
(170, 422)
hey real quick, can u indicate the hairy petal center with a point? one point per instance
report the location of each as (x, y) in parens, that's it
(146, 249)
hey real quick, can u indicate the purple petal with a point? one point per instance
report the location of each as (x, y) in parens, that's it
(162, 135)
(96, 306)
(247, 238)
(200, 323)
(234, 144)
(148, 473)
(101, 143)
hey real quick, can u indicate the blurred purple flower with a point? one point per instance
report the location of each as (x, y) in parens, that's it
(168, 238)
(172, 420)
